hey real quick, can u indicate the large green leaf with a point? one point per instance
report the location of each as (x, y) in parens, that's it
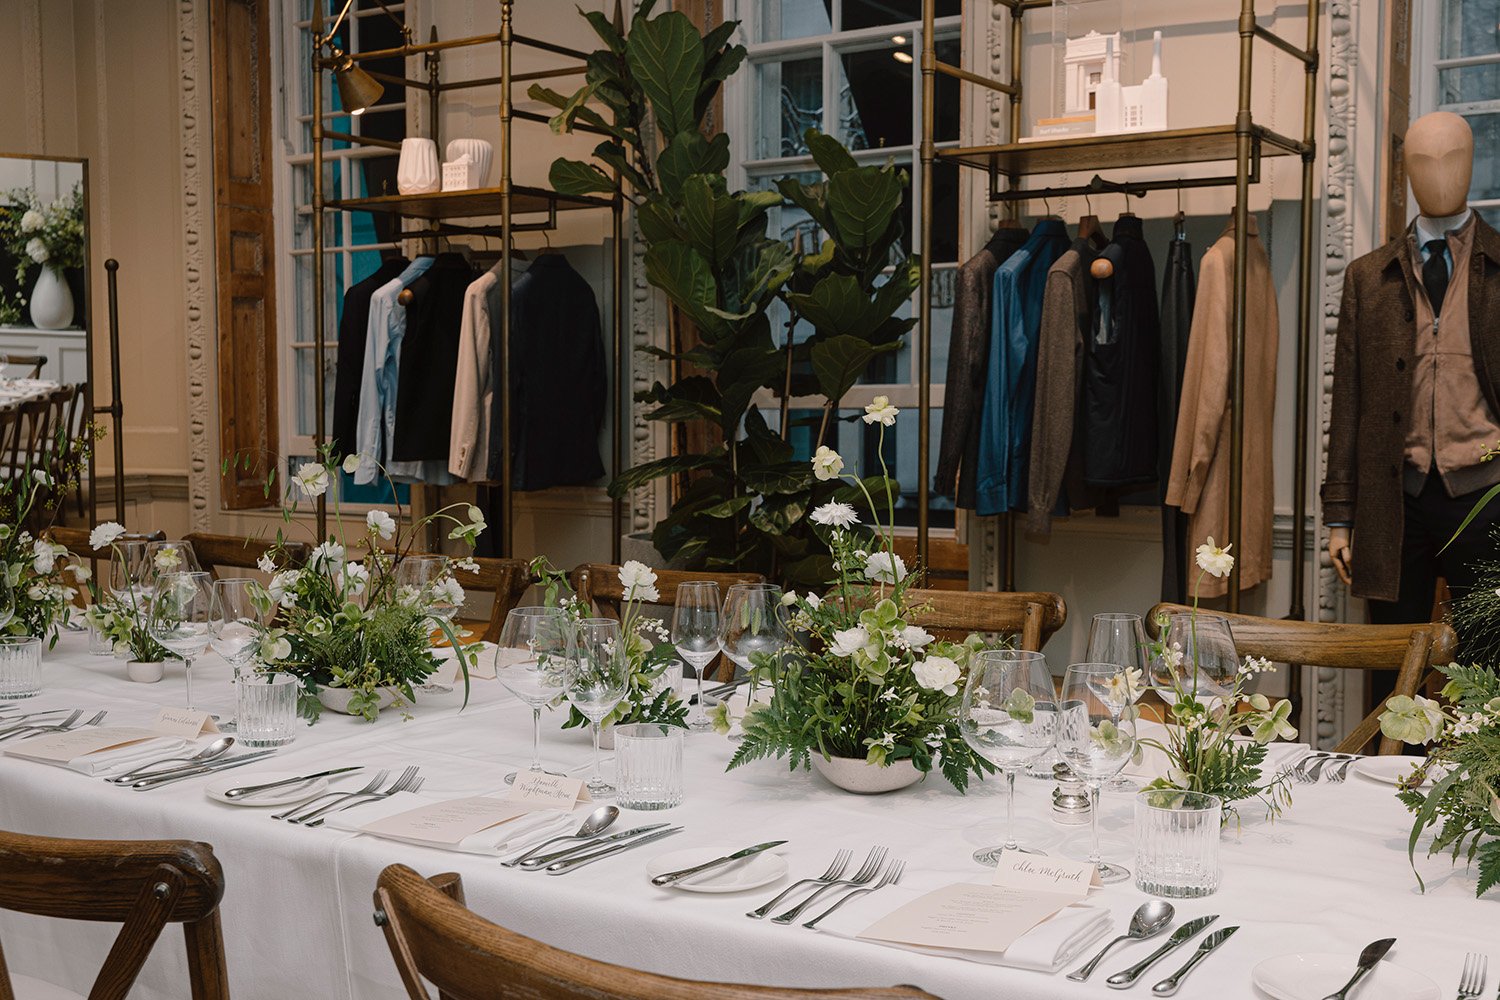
(861, 203)
(689, 153)
(779, 516)
(728, 508)
(666, 58)
(839, 361)
(781, 478)
(710, 218)
(606, 31)
(577, 177)
(838, 306)
(614, 155)
(684, 275)
(828, 153)
(658, 221)
(645, 473)
(744, 372)
(805, 197)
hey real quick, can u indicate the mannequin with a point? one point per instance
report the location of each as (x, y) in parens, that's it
(1414, 401)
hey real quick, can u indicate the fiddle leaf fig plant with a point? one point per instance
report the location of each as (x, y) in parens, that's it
(743, 502)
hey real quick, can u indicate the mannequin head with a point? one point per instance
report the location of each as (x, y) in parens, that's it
(1439, 154)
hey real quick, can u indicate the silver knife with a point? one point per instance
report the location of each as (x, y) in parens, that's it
(532, 864)
(239, 793)
(156, 781)
(569, 864)
(1368, 959)
(1180, 937)
(1169, 986)
(670, 877)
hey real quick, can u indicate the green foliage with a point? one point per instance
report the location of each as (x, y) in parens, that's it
(42, 577)
(709, 252)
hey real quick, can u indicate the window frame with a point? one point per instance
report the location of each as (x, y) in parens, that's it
(1426, 89)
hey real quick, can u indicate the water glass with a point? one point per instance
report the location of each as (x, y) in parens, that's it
(1096, 742)
(648, 766)
(1201, 658)
(99, 643)
(670, 679)
(532, 659)
(266, 715)
(596, 681)
(695, 635)
(1177, 843)
(20, 666)
(182, 617)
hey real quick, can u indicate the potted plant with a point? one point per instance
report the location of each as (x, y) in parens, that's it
(867, 698)
(49, 236)
(121, 616)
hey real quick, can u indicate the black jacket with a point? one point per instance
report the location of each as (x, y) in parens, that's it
(429, 359)
(557, 380)
(353, 332)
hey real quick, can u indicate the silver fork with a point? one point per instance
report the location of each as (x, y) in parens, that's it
(357, 798)
(1299, 772)
(835, 870)
(891, 877)
(864, 876)
(415, 786)
(1313, 773)
(1336, 775)
(373, 784)
(1471, 983)
(60, 727)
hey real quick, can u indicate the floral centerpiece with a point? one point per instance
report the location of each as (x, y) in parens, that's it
(864, 683)
(345, 622)
(42, 578)
(121, 616)
(648, 645)
(47, 235)
(1205, 717)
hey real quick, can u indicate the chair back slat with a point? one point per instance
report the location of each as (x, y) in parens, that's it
(951, 614)
(33, 362)
(234, 552)
(433, 936)
(598, 585)
(76, 541)
(505, 579)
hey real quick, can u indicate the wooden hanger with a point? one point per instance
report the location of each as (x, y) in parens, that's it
(1090, 229)
(1179, 221)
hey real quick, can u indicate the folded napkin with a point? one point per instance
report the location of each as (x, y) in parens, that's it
(107, 763)
(510, 837)
(1047, 947)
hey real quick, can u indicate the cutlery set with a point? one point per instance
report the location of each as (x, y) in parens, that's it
(871, 876)
(1323, 763)
(1151, 919)
(28, 729)
(590, 847)
(313, 813)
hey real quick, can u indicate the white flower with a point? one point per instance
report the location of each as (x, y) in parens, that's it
(835, 514)
(887, 740)
(1255, 665)
(915, 636)
(265, 563)
(37, 593)
(883, 567)
(789, 598)
(41, 476)
(281, 586)
(351, 464)
(937, 673)
(639, 581)
(37, 250)
(356, 578)
(1124, 687)
(274, 648)
(380, 523)
(1172, 657)
(32, 221)
(476, 516)
(448, 592)
(827, 464)
(813, 600)
(467, 564)
(311, 479)
(167, 560)
(1213, 560)
(328, 557)
(105, 534)
(80, 572)
(880, 411)
(890, 694)
(847, 642)
(43, 558)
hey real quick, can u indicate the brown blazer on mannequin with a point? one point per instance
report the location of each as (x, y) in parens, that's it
(1372, 390)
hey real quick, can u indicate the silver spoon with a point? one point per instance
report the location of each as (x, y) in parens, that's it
(217, 748)
(1149, 920)
(597, 822)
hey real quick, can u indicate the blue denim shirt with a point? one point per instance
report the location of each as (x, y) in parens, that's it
(377, 384)
(1010, 384)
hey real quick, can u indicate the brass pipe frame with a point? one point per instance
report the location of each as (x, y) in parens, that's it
(536, 116)
(552, 47)
(361, 140)
(398, 81)
(1308, 56)
(507, 473)
(924, 305)
(962, 74)
(320, 428)
(495, 81)
(1243, 139)
(622, 380)
(1017, 49)
(1136, 188)
(419, 48)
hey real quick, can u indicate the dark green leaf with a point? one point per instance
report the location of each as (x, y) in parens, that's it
(710, 218)
(860, 204)
(645, 473)
(803, 196)
(682, 273)
(837, 306)
(666, 57)
(605, 29)
(780, 515)
(658, 221)
(614, 155)
(785, 477)
(829, 154)
(689, 153)
(576, 177)
(728, 508)
(839, 361)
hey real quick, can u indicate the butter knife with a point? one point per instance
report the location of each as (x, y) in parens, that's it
(243, 791)
(568, 864)
(668, 878)
(1169, 986)
(156, 781)
(1181, 936)
(546, 859)
(1368, 959)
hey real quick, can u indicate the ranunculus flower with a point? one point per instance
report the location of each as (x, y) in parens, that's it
(37, 250)
(915, 636)
(835, 515)
(937, 673)
(311, 479)
(813, 600)
(265, 563)
(356, 578)
(43, 557)
(1411, 720)
(639, 582)
(880, 411)
(351, 464)
(448, 591)
(827, 464)
(105, 534)
(329, 557)
(1213, 560)
(847, 642)
(884, 567)
(32, 221)
(381, 523)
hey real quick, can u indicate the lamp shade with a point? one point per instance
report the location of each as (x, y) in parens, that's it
(358, 90)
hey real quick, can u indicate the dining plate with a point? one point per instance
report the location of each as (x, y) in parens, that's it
(1315, 975)
(289, 795)
(1389, 770)
(747, 873)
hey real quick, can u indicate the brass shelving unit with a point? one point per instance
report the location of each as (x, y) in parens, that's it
(510, 208)
(1243, 142)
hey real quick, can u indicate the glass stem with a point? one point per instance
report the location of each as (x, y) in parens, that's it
(596, 778)
(187, 674)
(1010, 812)
(1094, 858)
(698, 713)
(536, 738)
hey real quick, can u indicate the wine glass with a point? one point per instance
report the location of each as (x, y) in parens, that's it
(1096, 742)
(598, 675)
(751, 624)
(695, 634)
(1120, 639)
(239, 608)
(182, 617)
(1201, 658)
(1008, 716)
(421, 573)
(174, 556)
(532, 661)
(129, 572)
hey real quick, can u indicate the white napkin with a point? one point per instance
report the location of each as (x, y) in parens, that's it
(510, 837)
(106, 763)
(1047, 947)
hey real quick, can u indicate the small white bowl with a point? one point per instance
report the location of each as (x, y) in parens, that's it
(144, 673)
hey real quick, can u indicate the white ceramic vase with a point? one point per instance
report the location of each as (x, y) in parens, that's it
(418, 171)
(143, 672)
(857, 775)
(337, 699)
(51, 301)
(480, 153)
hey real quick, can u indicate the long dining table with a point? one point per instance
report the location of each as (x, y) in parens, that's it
(1330, 875)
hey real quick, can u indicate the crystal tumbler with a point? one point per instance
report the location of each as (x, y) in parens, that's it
(20, 666)
(267, 709)
(648, 766)
(1177, 843)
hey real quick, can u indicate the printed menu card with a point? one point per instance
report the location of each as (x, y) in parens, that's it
(446, 824)
(59, 748)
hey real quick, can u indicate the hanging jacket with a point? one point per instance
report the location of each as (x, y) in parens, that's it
(429, 361)
(473, 393)
(1179, 289)
(378, 378)
(354, 321)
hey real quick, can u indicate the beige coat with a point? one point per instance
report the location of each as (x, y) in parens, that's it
(1199, 483)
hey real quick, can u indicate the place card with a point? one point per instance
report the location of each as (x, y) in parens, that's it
(540, 790)
(59, 748)
(447, 823)
(446, 672)
(183, 722)
(1034, 873)
(965, 916)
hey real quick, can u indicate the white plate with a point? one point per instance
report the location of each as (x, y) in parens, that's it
(748, 873)
(274, 797)
(1313, 976)
(1389, 770)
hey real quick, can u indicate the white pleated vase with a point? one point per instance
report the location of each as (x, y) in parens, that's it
(418, 171)
(480, 153)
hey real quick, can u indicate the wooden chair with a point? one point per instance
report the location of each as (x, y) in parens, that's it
(433, 936)
(67, 427)
(1411, 649)
(952, 615)
(505, 579)
(33, 362)
(76, 541)
(142, 884)
(598, 585)
(234, 552)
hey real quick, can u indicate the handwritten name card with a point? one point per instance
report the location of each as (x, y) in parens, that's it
(539, 790)
(183, 722)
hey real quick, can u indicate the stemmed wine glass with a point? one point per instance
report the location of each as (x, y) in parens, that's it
(752, 625)
(1201, 657)
(420, 573)
(174, 556)
(182, 617)
(695, 634)
(1008, 716)
(130, 573)
(1120, 639)
(239, 608)
(596, 681)
(532, 661)
(1096, 742)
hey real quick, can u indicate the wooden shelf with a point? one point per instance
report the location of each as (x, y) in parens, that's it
(478, 203)
(1088, 153)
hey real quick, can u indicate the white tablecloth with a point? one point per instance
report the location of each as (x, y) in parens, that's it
(1331, 875)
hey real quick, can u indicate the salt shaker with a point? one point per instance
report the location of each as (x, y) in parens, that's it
(1070, 799)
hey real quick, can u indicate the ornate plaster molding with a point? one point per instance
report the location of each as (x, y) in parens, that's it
(197, 240)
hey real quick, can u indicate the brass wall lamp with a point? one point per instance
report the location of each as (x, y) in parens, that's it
(358, 90)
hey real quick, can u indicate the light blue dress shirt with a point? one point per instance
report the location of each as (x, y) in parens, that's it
(377, 384)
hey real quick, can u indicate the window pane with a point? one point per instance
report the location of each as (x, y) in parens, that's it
(789, 96)
(1486, 183)
(1467, 84)
(868, 13)
(779, 19)
(1469, 28)
(875, 98)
